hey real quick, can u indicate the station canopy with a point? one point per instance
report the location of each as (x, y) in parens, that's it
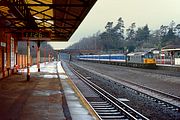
(171, 48)
(60, 17)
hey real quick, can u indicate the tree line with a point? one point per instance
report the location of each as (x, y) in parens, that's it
(118, 38)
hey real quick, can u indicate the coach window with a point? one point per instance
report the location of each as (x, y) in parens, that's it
(150, 56)
(145, 56)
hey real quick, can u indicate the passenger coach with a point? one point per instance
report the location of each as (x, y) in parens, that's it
(137, 59)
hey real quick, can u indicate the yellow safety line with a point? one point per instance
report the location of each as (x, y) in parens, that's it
(83, 99)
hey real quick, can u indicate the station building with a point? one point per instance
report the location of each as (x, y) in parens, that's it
(8, 52)
(39, 20)
(10, 60)
(171, 54)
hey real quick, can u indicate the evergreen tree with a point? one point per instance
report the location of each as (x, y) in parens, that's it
(178, 30)
(118, 34)
(131, 34)
(142, 36)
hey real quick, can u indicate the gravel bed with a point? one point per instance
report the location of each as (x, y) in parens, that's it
(85, 89)
(143, 105)
(156, 79)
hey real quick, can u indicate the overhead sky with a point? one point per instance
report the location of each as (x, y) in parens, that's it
(152, 12)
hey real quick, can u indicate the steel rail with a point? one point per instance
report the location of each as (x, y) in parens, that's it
(160, 93)
(154, 90)
(128, 111)
(155, 99)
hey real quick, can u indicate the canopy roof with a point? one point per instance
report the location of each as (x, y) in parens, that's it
(60, 17)
(171, 48)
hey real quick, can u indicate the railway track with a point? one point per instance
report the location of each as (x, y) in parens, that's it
(166, 100)
(107, 106)
(161, 97)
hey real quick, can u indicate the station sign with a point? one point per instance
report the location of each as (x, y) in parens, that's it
(3, 44)
(36, 35)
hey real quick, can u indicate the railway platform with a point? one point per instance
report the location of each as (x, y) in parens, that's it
(48, 95)
(168, 67)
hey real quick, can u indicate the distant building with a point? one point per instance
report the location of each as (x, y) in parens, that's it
(173, 52)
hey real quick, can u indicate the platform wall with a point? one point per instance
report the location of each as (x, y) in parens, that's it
(10, 60)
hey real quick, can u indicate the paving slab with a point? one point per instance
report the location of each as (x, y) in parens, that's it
(38, 99)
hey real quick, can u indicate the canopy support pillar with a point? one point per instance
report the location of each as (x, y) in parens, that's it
(38, 56)
(28, 60)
